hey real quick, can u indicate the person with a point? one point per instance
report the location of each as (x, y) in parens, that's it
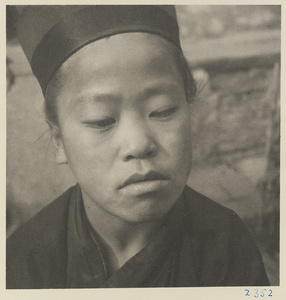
(118, 92)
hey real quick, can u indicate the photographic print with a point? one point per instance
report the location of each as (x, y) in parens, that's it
(143, 146)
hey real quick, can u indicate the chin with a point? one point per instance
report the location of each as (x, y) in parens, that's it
(149, 214)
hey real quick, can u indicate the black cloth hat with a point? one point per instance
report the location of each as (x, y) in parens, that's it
(49, 34)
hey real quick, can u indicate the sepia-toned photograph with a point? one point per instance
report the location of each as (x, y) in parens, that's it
(143, 146)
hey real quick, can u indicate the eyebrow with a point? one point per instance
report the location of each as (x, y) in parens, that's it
(163, 88)
(95, 98)
(169, 88)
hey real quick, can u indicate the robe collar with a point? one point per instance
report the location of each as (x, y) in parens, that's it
(155, 265)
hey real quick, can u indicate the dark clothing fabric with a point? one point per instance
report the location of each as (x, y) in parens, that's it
(199, 244)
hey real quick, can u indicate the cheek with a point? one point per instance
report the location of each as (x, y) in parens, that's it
(181, 149)
(180, 136)
(91, 158)
(78, 147)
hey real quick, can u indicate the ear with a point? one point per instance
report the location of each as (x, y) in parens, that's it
(61, 157)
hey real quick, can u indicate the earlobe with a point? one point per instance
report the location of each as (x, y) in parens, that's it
(61, 157)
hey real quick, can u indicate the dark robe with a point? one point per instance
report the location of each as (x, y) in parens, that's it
(200, 243)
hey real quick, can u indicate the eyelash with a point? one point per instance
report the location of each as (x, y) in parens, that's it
(164, 113)
(109, 122)
(101, 124)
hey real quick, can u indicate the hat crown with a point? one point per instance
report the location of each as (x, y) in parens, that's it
(49, 34)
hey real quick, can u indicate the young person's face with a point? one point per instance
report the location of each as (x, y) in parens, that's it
(125, 126)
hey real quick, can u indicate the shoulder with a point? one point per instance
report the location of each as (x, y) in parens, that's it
(206, 213)
(209, 221)
(41, 226)
(41, 239)
(224, 249)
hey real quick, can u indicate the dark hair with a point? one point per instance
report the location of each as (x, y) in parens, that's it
(50, 103)
(58, 80)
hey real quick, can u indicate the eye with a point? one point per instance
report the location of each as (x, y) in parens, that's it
(101, 124)
(161, 114)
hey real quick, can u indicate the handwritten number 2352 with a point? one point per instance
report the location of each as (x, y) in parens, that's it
(258, 293)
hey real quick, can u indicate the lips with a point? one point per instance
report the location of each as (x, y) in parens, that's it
(137, 178)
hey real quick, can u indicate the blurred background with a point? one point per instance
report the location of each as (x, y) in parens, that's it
(234, 52)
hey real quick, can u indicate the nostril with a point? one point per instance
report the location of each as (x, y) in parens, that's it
(150, 153)
(129, 157)
(138, 144)
(140, 155)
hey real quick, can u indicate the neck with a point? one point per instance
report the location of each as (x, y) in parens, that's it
(121, 238)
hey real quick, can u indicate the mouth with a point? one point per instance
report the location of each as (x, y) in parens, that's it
(147, 181)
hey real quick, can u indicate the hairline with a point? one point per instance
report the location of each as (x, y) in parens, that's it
(58, 80)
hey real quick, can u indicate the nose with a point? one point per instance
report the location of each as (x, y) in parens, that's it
(137, 140)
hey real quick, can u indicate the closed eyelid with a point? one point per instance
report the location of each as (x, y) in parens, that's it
(166, 111)
(101, 123)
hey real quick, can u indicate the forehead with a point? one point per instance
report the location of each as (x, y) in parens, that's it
(125, 63)
(115, 51)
